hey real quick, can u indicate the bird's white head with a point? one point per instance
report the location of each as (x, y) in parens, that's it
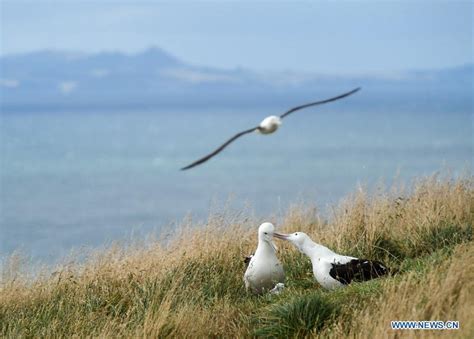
(299, 239)
(269, 124)
(265, 233)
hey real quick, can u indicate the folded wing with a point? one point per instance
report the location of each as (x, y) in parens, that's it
(357, 270)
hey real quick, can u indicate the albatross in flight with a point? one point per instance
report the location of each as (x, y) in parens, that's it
(264, 272)
(267, 126)
(330, 269)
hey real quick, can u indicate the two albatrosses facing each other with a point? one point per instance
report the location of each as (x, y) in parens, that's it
(267, 126)
(264, 271)
(330, 269)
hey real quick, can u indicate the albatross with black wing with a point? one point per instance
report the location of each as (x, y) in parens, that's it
(267, 126)
(330, 269)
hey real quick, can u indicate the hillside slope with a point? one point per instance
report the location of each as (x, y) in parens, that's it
(192, 287)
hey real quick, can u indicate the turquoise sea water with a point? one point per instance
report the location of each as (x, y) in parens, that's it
(73, 179)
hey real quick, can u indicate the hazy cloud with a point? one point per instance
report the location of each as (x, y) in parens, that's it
(100, 73)
(67, 87)
(196, 77)
(9, 83)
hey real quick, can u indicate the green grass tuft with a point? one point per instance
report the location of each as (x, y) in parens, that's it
(297, 317)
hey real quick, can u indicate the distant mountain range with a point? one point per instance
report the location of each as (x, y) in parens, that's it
(154, 79)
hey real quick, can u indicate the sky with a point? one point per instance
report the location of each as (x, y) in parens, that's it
(315, 36)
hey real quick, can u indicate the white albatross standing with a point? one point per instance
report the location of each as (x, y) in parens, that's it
(267, 126)
(330, 269)
(264, 271)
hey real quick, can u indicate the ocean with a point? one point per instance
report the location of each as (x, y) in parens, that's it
(72, 180)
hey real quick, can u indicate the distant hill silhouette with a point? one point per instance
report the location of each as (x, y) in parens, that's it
(154, 79)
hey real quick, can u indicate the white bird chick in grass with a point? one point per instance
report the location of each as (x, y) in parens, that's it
(278, 288)
(264, 270)
(330, 269)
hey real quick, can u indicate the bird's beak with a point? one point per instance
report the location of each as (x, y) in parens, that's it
(281, 236)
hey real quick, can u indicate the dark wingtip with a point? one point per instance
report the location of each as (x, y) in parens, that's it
(247, 259)
(189, 166)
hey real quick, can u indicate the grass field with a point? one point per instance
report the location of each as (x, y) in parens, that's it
(192, 286)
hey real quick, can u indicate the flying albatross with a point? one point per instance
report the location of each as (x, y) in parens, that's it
(267, 126)
(330, 269)
(264, 272)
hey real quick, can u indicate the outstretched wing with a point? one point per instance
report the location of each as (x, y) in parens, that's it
(210, 155)
(294, 109)
(357, 270)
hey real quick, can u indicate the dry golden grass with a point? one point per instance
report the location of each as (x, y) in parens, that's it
(192, 286)
(445, 292)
